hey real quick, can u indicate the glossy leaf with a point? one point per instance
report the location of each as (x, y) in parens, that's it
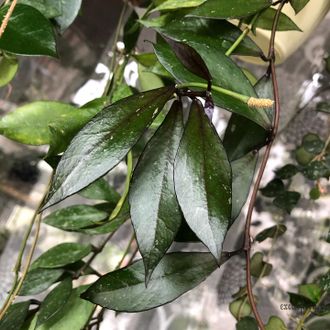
(75, 217)
(202, 178)
(8, 69)
(100, 190)
(222, 9)
(298, 5)
(105, 141)
(218, 32)
(54, 301)
(271, 232)
(273, 188)
(30, 123)
(124, 290)
(70, 10)
(61, 255)
(243, 172)
(155, 212)
(300, 301)
(178, 4)
(266, 18)
(317, 169)
(287, 172)
(28, 32)
(74, 315)
(15, 316)
(275, 323)
(325, 280)
(38, 280)
(49, 8)
(260, 268)
(132, 31)
(224, 73)
(287, 200)
(247, 323)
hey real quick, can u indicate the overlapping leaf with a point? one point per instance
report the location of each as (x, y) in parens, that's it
(105, 141)
(202, 177)
(155, 212)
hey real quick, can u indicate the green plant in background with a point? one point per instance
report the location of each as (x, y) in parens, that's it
(184, 183)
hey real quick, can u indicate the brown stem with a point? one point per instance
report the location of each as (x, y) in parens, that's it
(247, 234)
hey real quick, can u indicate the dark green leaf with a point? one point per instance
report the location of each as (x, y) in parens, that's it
(28, 32)
(287, 200)
(38, 280)
(273, 188)
(178, 4)
(247, 323)
(132, 31)
(224, 72)
(300, 301)
(275, 323)
(74, 315)
(54, 301)
(49, 8)
(286, 172)
(260, 268)
(298, 5)
(325, 281)
(311, 291)
(15, 316)
(271, 232)
(229, 9)
(202, 179)
(315, 193)
(219, 32)
(266, 18)
(185, 234)
(61, 255)
(8, 69)
(70, 10)
(100, 190)
(105, 141)
(317, 169)
(155, 212)
(75, 217)
(30, 123)
(323, 106)
(124, 290)
(312, 143)
(243, 172)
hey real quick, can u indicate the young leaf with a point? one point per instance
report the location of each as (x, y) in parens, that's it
(75, 217)
(28, 32)
(8, 69)
(287, 200)
(243, 172)
(223, 9)
(275, 323)
(259, 267)
(266, 18)
(70, 10)
(54, 301)
(15, 316)
(298, 5)
(287, 172)
(124, 290)
(219, 32)
(202, 178)
(74, 315)
(38, 280)
(247, 323)
(61, 255)
(105, 141)
(155, 212)
(178, 4)
(100, 190)
(30, 123)
(271, 232)
(273, 188)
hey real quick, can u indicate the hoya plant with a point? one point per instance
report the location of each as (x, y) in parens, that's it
(184, 183)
